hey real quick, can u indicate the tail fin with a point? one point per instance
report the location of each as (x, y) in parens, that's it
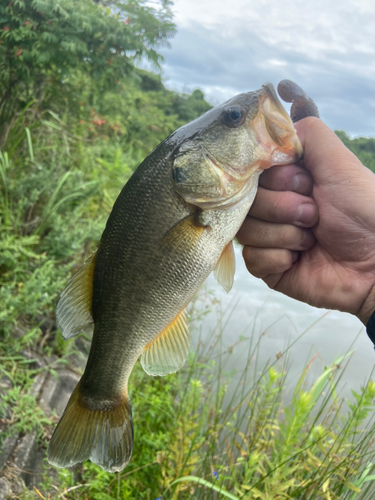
(103, 434)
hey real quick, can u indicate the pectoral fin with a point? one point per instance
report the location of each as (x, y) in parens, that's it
(168, 352)
(226, 267)
(73, 312)
(185, 234)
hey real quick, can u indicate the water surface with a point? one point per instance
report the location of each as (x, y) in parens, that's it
(252, 308)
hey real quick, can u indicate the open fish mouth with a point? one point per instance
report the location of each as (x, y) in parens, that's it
(274, 131)
(278, 125)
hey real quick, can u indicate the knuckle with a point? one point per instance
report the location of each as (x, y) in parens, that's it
(262, 262)
(254, 261)
(293, 238)
(281, 261)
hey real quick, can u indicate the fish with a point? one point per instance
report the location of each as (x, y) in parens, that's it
(171, 226)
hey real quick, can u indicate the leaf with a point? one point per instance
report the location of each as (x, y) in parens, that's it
(318, 386)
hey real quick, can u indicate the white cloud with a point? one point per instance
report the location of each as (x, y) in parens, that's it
(326, 46)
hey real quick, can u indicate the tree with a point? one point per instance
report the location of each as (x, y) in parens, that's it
(362, 147)
(43, 41)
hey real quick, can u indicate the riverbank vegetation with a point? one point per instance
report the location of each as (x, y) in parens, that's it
(76, 118)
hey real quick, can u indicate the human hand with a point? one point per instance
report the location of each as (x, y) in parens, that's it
(326, 258)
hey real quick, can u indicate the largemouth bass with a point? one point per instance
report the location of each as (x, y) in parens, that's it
(172, 224)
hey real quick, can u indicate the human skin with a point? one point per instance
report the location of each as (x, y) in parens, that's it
(310, 233)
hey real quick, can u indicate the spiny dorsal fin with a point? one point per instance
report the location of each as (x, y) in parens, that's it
(73, 313)
(168, 352)
(226, 267)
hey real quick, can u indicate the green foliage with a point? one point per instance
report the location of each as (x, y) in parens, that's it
(26, 416)
(191, 444)
(362, 147)
(68, 147)
(76, 119)
(43, 41)
(32, 198)
(288, 451)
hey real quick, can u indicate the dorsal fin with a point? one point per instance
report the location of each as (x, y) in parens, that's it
(74, 310)
(226, 267)
(168, 352)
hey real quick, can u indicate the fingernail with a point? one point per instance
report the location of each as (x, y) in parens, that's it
(296, 182)
(299, 182)
(305, 214)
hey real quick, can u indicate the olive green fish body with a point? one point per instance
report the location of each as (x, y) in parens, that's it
(171, 226)
(141, 283)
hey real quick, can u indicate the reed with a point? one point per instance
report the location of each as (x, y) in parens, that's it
(199, 435)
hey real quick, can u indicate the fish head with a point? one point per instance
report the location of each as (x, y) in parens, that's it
(222, 153)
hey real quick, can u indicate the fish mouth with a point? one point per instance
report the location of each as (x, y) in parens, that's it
(282, 141)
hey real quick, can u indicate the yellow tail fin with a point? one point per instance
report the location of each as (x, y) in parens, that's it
(101, 432)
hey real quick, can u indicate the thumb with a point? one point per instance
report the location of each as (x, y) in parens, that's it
(325, 156)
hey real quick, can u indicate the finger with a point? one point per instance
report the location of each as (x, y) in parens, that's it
(263, 262)
(257, 233)
(287, 178)
(284, 207)
(321, 145)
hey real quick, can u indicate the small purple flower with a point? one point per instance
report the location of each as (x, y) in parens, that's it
(216, 475)
(159, 498)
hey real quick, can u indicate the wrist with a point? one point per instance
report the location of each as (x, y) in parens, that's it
(368, 307)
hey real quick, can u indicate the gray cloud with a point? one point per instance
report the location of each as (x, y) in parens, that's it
(224, 65)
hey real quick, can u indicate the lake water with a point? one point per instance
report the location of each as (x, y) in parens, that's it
(251, 307)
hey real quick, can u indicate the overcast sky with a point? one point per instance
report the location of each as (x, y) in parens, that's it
(326, 46)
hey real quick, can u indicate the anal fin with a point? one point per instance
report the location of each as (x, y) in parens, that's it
(226, 267)
(169, 351)
(73, 313)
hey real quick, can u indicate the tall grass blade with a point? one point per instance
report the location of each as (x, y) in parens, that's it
(56, 201)
(206, 483)
(4, 196)
(29, 143)
(320, 383)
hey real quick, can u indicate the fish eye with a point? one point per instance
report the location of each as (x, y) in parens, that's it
(233, 116)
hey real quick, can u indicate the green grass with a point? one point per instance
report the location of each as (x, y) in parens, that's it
(198, 434)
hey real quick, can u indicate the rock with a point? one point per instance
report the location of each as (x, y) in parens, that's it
(23, 459)
(4, 489)
(7, 449)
